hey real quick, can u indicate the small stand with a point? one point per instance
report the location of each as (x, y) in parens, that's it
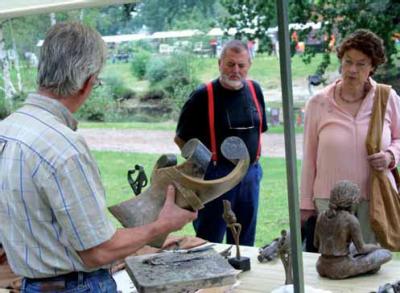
(241, 263)
(238, 262)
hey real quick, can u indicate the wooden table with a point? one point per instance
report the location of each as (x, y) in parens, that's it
(264, 277)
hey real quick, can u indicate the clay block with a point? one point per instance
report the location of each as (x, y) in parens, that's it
(176, 272)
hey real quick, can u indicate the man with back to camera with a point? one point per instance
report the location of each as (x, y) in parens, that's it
(228, 106)
(54, 226)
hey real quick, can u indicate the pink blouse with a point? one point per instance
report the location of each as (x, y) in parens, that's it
(334, 144)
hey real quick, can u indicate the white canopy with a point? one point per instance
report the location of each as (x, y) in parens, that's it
(175, 34)
(15, 8)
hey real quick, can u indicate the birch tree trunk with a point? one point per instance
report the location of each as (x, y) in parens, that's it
(53, 19)
(8, 87)
(16, 64)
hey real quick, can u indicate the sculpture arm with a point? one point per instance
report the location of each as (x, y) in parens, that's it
(355, 234)
(316, 235)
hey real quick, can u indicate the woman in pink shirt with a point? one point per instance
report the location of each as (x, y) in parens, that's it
(335, 131)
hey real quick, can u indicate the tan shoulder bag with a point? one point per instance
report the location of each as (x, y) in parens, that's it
(384, 205)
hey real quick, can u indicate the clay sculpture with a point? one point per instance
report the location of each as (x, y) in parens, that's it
(339, 240)
(192, 191)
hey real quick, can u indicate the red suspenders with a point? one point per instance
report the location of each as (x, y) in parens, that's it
(211, 116)
(253, 94)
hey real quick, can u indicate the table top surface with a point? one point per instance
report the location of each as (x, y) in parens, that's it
(264, 277)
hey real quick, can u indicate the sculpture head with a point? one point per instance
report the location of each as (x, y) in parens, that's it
(343, 195)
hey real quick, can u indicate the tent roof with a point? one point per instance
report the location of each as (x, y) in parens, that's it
(175, 34)
(15, 8)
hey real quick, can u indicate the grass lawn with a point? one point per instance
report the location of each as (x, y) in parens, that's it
(273, 208)
(167, 125)
(273, 214)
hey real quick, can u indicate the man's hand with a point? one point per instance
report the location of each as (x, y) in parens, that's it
(171, 215)
(380, 161)
(126, 241)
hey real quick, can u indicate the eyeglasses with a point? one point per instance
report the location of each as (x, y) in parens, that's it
(359, 65)
(97, 83)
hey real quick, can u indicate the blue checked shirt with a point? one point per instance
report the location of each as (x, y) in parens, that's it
(52, 201)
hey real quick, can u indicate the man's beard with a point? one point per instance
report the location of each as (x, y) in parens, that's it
(234, 84)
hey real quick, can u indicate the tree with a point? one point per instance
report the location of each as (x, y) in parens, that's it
(8, 86)
(160, 15)
(254, 15)
(340, 17)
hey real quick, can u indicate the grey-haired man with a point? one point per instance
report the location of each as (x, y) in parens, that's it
(54, 226)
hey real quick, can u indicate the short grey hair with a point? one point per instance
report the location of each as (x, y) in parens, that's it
(236, 46)
(71, 53)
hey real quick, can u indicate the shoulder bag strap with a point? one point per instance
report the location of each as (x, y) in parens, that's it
(376, 122)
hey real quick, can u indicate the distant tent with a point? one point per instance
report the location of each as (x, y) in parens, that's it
(176, 34)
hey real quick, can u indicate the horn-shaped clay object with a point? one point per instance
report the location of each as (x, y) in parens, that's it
(192, 191)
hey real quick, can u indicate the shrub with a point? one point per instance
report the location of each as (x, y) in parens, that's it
(98, 106)
(7, 107)
(4, 109)
(139, 63)
(116, 86)
(18, 100)
(175, 77)
(157, 70)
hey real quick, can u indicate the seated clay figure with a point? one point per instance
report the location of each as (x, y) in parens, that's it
(336, 231)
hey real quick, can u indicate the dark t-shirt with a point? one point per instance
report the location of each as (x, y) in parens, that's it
(235, 115)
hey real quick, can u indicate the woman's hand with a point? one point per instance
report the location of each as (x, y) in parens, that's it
(381, 161)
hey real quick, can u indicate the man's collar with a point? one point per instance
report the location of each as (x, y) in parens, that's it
(54, 107)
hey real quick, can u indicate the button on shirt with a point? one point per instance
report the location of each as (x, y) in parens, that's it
(52, 201)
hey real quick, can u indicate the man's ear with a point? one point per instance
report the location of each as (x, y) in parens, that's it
(87, 85)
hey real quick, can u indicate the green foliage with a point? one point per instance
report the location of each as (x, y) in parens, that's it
(161, 15)
(4, 108)
(251, 14)
(26, 31)
(18, 99)
(339, 17)
(380, 17)
(174, 76)
(7, 107)
(98, 106)
(139, 63)
(157, 69)
(117, 87)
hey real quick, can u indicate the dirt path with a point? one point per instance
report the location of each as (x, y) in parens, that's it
(160, 141)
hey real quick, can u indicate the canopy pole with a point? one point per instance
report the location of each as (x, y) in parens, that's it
(290, 145)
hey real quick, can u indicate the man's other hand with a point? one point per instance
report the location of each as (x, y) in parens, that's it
(171, 215)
